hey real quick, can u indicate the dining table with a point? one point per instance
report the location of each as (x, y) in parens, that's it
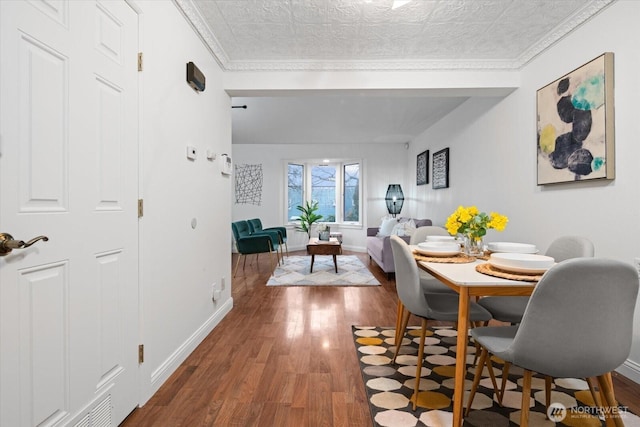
(468, 282)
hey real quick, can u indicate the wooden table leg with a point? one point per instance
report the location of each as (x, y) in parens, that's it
(461, 356)
(313, 258)
(335, 263)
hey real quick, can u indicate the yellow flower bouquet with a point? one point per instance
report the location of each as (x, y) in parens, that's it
(473, 224)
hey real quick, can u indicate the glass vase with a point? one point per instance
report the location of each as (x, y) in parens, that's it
(473, 246)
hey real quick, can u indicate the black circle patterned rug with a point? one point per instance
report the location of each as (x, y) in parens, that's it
(390, 386)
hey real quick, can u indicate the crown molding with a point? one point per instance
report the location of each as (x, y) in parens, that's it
(192, 15)
(197, 22)
(383, 65)
(563, 29)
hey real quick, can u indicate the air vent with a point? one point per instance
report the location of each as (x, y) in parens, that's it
(100, 415)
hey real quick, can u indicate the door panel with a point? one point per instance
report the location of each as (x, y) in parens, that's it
(68, 170)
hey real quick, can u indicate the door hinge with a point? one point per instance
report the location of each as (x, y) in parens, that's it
(140, 208)
(141, 353)
(140, 61)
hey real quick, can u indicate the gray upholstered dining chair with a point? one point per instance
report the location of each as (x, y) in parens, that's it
(427, 306)
(511, 309)
(578, 324)
(428, 283)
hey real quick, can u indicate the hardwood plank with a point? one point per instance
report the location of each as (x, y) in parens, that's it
(285, 356)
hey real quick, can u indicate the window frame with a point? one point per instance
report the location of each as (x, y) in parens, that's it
(339, 165)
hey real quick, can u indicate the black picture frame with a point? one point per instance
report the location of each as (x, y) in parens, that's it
(440, 168)
(422, 168)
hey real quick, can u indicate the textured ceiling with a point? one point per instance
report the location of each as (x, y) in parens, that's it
(370, 34)
(283, 35)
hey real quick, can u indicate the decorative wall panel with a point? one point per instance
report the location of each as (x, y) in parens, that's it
(109, 137)
(43, 127)
(44, 306)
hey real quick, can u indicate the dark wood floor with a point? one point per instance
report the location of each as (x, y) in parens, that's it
(284, 356)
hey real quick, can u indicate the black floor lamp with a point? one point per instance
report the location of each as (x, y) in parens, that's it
(394, 199)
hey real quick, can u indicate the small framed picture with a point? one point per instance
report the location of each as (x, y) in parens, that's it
(422, 168)
(440, 166)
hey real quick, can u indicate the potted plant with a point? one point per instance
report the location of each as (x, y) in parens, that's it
(308, 216)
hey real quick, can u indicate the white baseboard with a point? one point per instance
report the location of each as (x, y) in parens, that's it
(631, 370)
(171, 364)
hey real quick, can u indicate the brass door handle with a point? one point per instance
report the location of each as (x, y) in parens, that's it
(7, 243)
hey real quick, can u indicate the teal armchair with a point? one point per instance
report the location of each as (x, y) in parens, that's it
(255, 225)
(248, 243)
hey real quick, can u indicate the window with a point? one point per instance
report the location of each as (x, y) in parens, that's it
(295, 190)
(335, 186)
(351, 191)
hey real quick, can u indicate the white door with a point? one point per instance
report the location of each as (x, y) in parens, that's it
(68, 170)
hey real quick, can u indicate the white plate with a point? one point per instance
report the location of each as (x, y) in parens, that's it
(439, 246)
(441, 239)
(521, 263)
(438, 252)
(517, 248)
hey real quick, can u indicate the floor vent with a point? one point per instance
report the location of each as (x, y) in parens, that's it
(100, 415)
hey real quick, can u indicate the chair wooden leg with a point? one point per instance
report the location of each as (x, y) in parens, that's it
(478, 349)
(476, 379)
(603, 403)
(271, 263)
(598, 397)
(526, 396)
(610, 382)
(403, 327)
(238, 264)
(492, 375)
(609, 400)
(416, 388)
(547, 390)
(399, 313)
(594, 394)
(503, 384)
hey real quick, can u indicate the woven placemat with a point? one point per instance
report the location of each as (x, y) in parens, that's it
(455, 259)
(490, 270)
(485, 256)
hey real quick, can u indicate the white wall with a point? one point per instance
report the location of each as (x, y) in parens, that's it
(493, 155)
(384, 164)
(179, 263)
(490, 139)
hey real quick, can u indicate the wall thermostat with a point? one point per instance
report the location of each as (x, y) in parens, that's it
(191, 152)
(225, 164)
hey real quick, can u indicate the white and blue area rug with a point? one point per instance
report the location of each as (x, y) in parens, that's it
(295, 272)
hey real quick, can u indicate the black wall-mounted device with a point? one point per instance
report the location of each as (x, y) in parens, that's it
(195, 78)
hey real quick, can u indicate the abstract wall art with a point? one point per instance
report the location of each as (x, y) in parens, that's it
(440, 169)
(575, 125)
(422, 168)
(248, 184)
